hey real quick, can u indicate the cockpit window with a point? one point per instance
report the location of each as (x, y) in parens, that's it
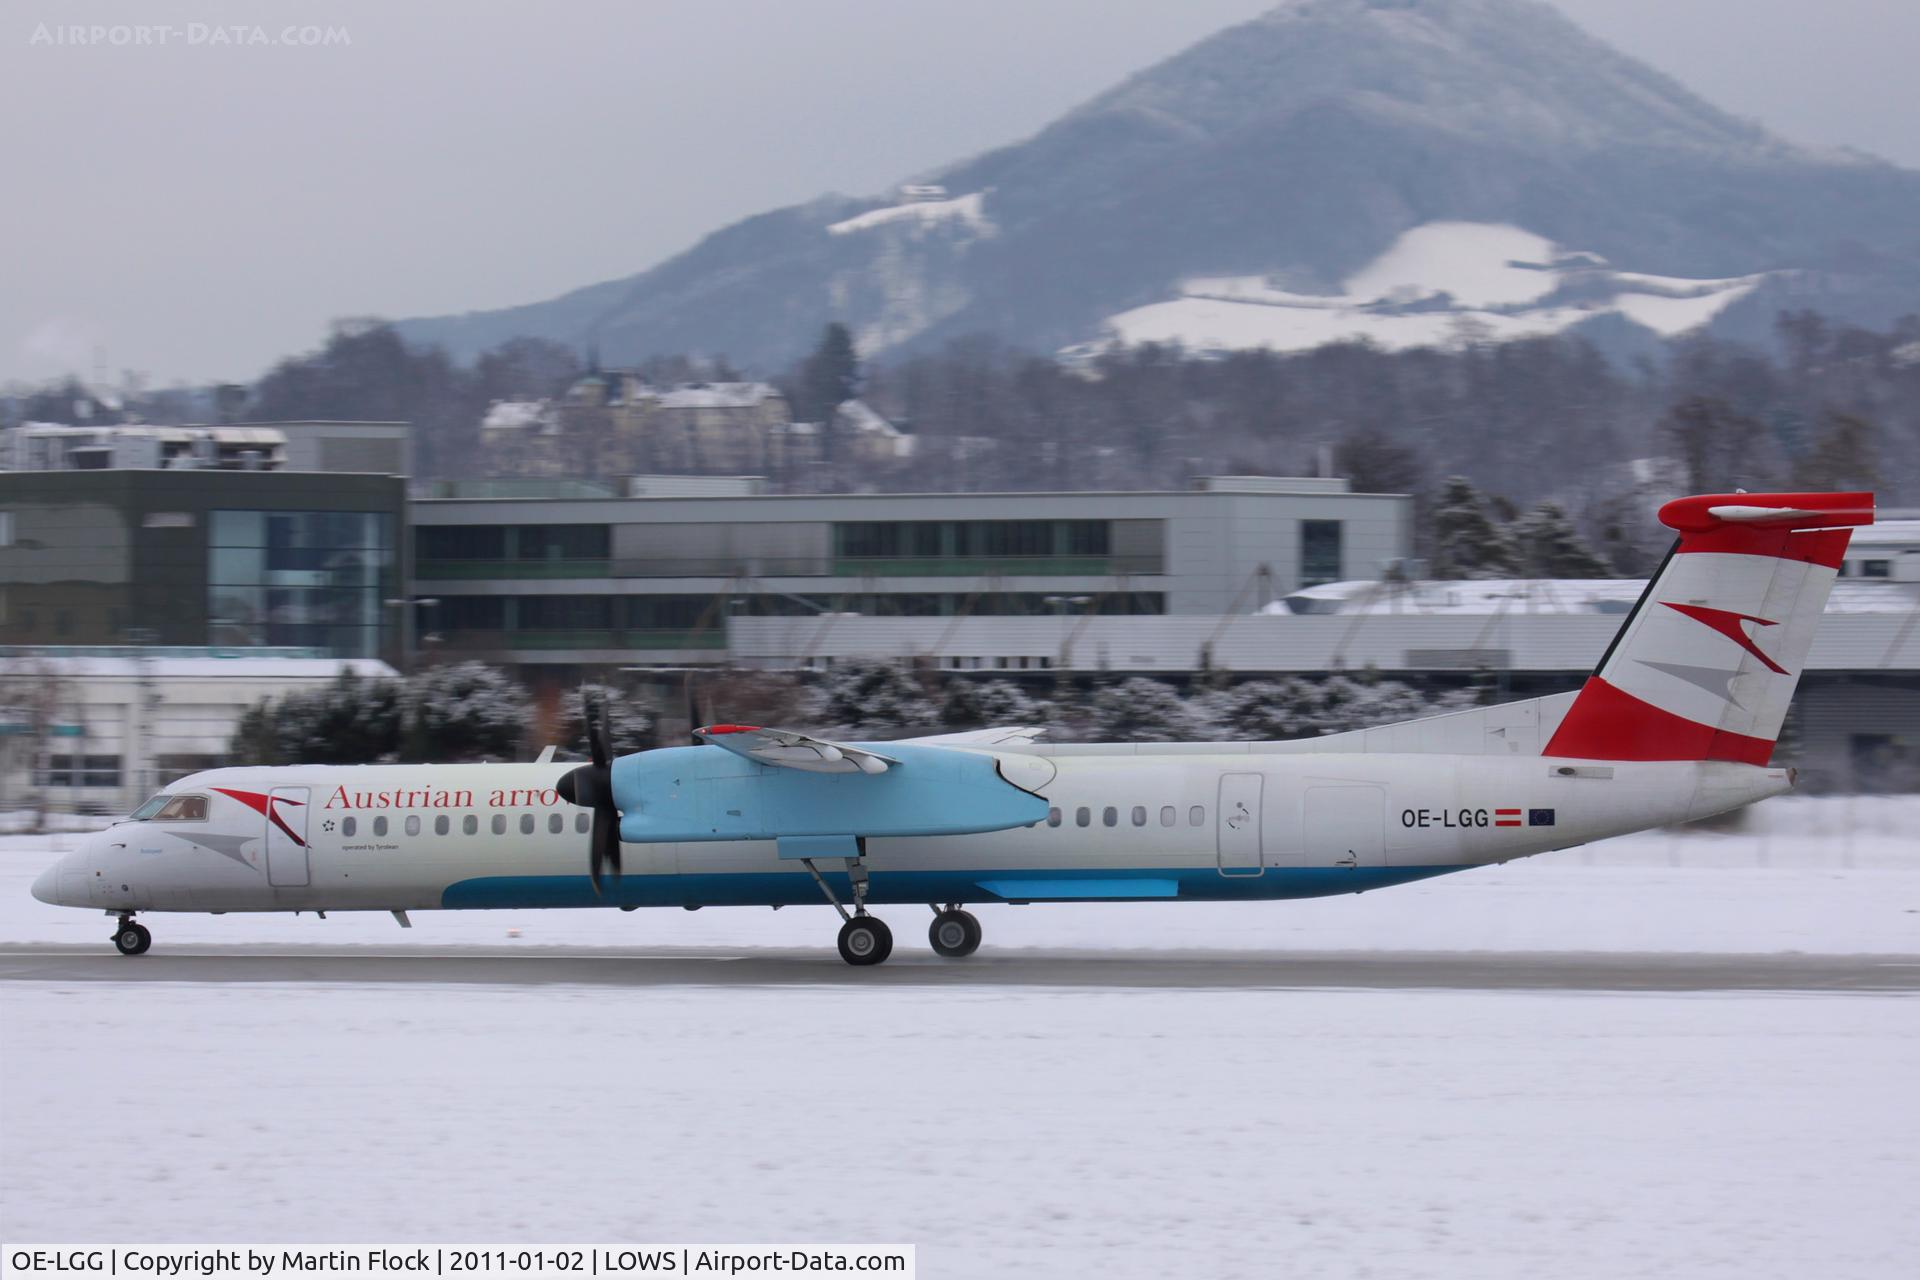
(166, 808)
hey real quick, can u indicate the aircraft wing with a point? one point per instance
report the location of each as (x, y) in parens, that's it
(997, 736)
(790, 750)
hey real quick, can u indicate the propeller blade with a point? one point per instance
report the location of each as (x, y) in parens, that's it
(595, 713)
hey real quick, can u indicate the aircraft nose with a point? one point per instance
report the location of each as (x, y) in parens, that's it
(45, 885)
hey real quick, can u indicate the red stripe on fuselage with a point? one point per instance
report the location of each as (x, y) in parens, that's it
(1606, 723)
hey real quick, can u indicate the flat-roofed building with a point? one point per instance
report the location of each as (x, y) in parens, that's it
(656, 580)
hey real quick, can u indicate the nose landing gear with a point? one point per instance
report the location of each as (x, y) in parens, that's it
(132, 939)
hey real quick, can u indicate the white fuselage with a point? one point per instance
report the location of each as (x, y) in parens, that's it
(1132, 823)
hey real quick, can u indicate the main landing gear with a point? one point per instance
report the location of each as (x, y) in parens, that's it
(132, 939)
(954, 933)
(865, 939)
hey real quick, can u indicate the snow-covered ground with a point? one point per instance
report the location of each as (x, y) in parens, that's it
(1435, 284)
(1018, 1132)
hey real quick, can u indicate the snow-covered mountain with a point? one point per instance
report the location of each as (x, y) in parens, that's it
(1407, 170)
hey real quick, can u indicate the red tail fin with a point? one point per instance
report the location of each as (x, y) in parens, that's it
(1704, 667)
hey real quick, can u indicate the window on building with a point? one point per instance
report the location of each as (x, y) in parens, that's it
(565, 613)
(1089, 537)
(1876, 568)
(307, 579)
(413, 824)
(79, 771)
(1319, 552)
(460, 542)
(562, 542)
(6, 528)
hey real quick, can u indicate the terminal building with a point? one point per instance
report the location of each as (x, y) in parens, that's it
(665, 579)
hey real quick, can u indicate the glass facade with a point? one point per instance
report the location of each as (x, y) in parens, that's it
(316, 579)
(973, 546)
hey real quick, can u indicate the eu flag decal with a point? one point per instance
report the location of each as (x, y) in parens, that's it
(1539, 817)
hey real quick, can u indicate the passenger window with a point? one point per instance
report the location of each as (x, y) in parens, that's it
(380, 825)
(441, 825)
(1168, 815)
(1053, 816)
(1110, 816)
(1196, 816)
(1082, 816)
(413, 824)
(349, 825)
(1139, 815)
(556, 824)
(183, 809)
(499, 824)
(526, 824)
(469, 825)
(582, 823)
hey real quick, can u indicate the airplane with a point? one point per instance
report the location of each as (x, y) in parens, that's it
(1678, 722)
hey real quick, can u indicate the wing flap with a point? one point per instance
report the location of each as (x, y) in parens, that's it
(786, 749)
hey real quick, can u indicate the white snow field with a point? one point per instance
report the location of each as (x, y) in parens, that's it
(1437, 284)
(1031, 1130)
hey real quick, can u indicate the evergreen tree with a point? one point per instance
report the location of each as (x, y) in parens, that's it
(1142, 710)
(829, 377)
(1467, 543)
(467, 711)
(1550, 547)
(348, 721)
(877, 697)
(973, 704)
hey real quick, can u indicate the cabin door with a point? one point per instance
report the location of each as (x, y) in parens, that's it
(1345, 826)
(1237, 824)
(287, 837)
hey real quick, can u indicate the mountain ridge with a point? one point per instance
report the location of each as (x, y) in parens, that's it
(1295, 146)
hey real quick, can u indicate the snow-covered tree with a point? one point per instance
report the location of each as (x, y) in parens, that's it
(1143, 710)
(628, 719)
(1550, 547)
(346, 721)
(878, 697)
(1466, 541)
(970, 704)
(466, 711)
(1267, 710)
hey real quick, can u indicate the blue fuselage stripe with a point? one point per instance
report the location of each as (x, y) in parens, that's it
(784, 888)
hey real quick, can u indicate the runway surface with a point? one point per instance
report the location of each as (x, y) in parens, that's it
(754, 967)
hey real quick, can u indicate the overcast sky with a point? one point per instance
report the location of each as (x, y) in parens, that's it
(197, 208)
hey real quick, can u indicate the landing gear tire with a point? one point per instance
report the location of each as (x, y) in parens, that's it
(954, 934)
(865, 940)
(132, 939)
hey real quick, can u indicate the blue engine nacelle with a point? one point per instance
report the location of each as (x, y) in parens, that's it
(706, 793)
